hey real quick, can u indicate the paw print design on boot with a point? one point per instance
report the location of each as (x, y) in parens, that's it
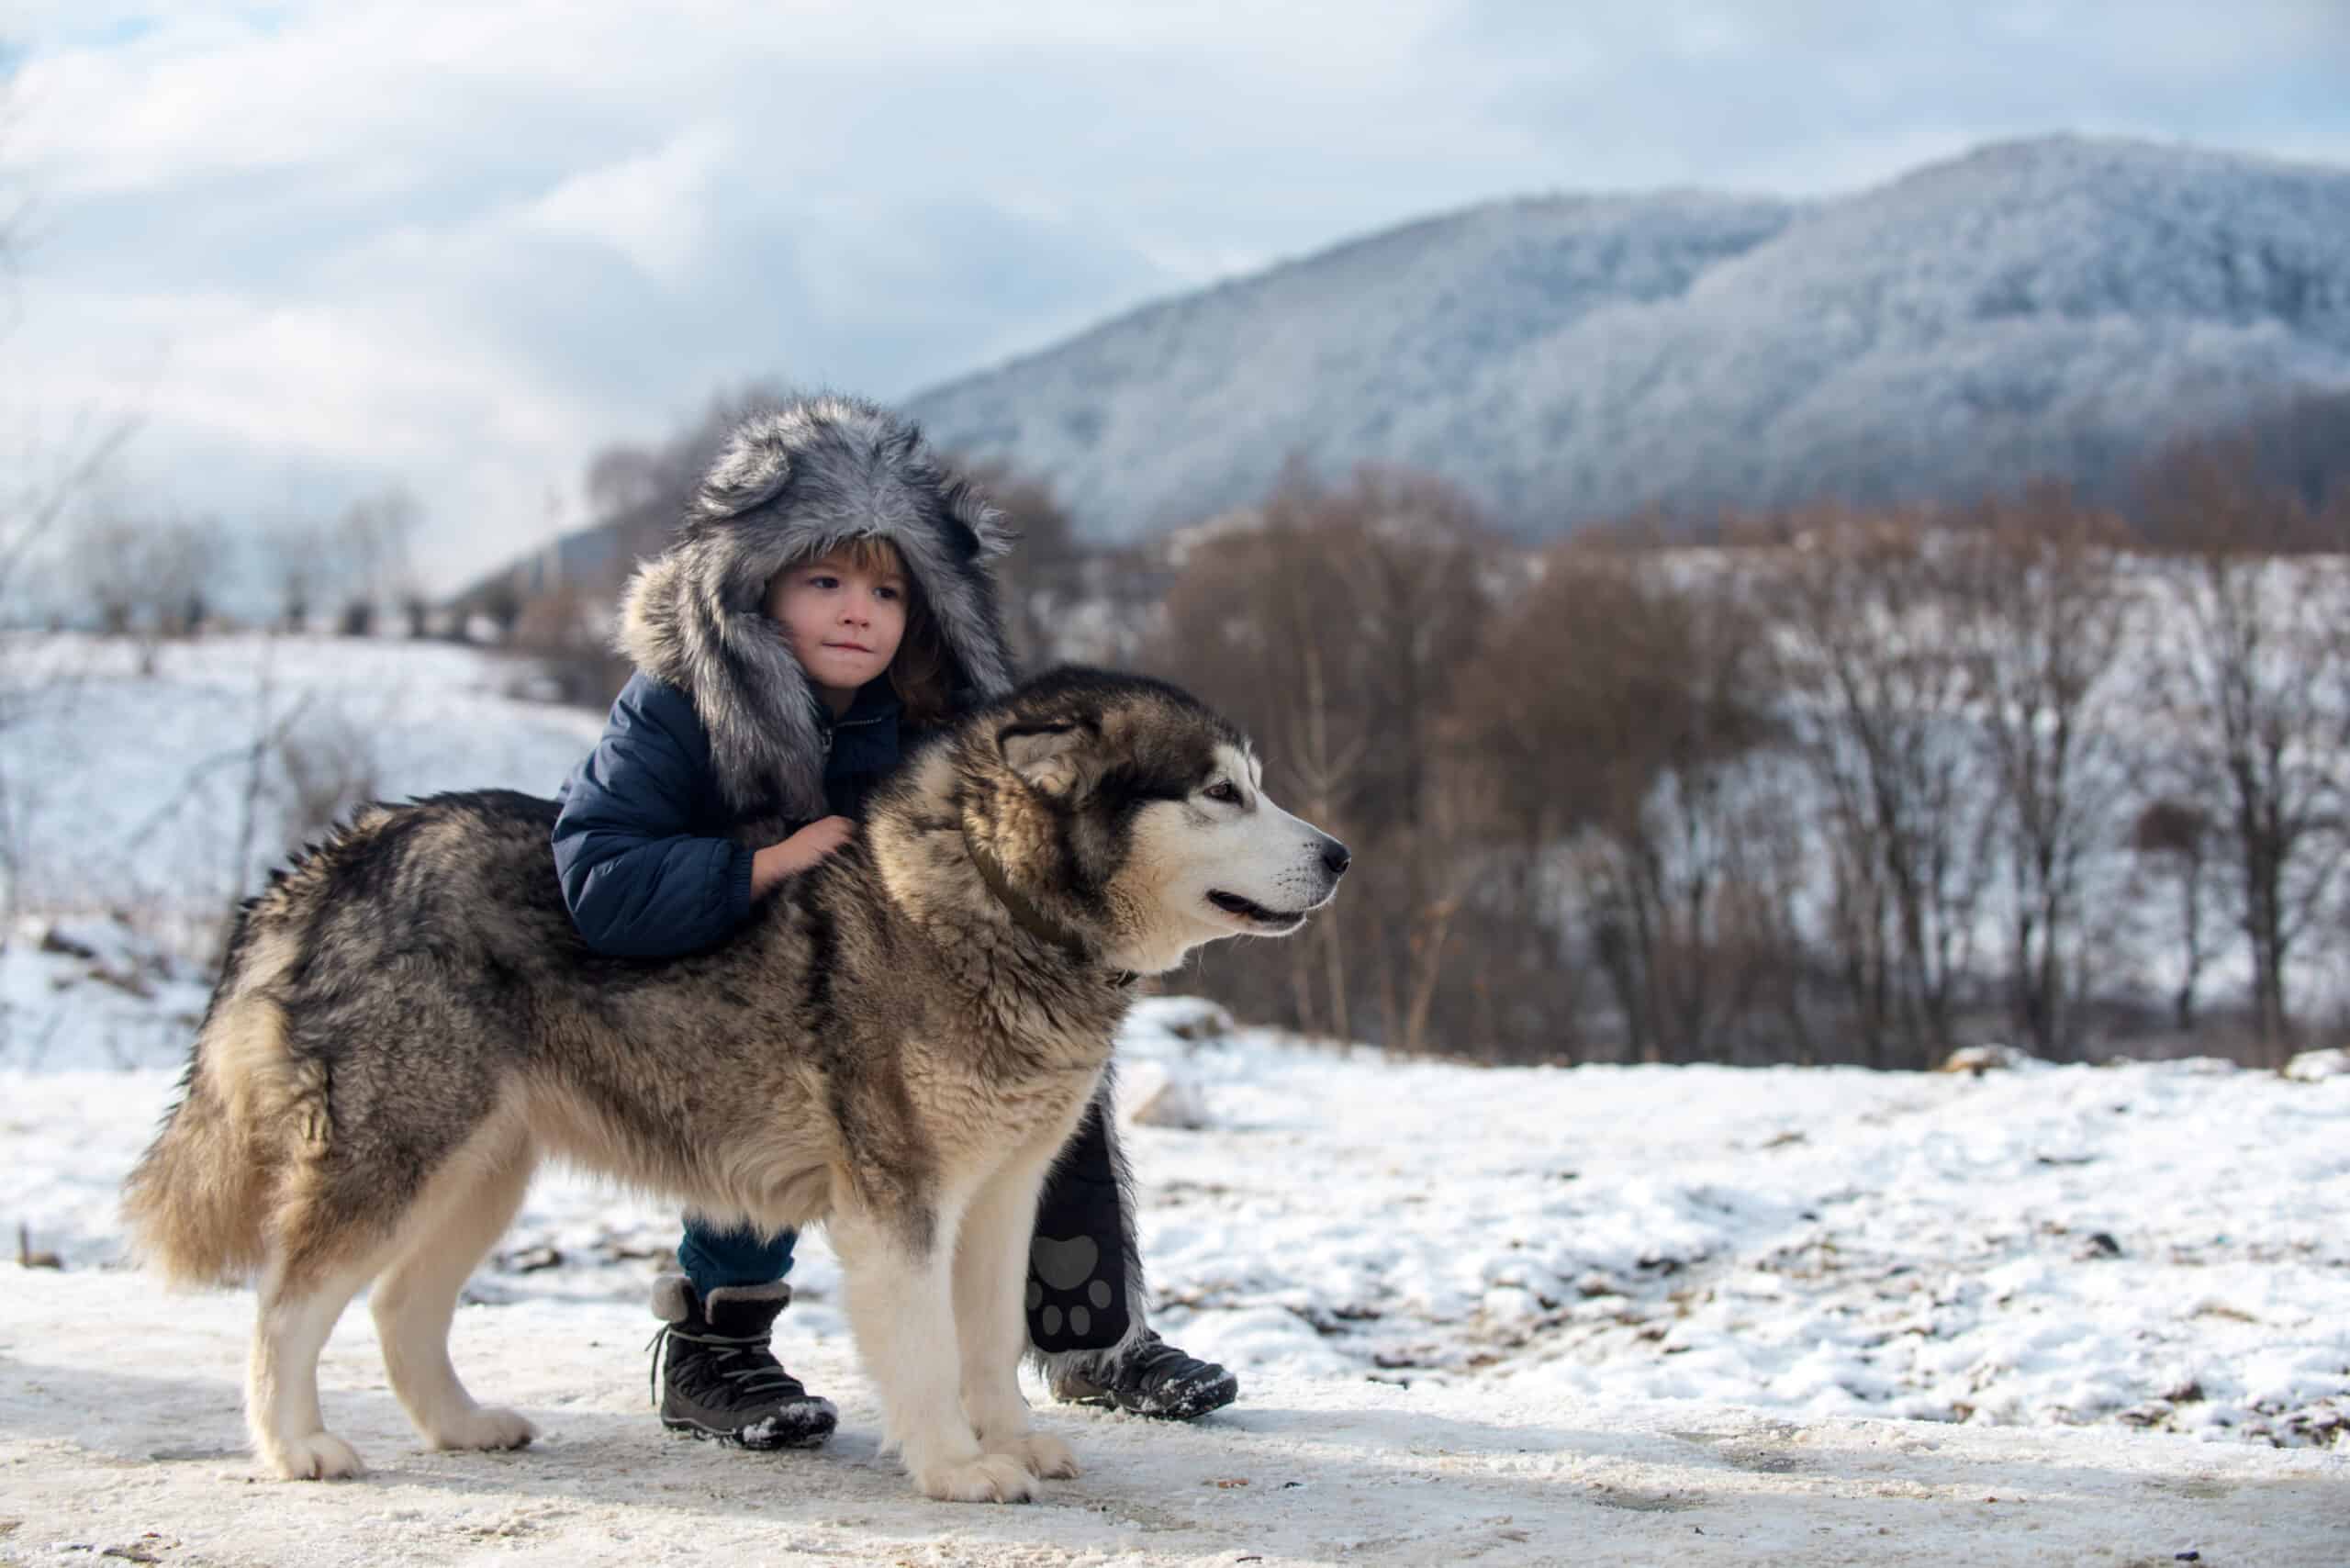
(1077, 1298)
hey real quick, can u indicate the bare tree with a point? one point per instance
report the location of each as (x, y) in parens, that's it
(2297, 448)
(108, 561)
(1409, 564)
(330, 767)
(638, 493)
(1245, 625)
(565, 632)
(2041, 622)
(623, 479)
(48, 476)
(145, 578)
(2257, 691)
(1620, 707)
(2180, 842)
(1867, 618)
(1333, 624)
(1043, 578)
(298, 563)
(188, 555)
(1322, 766)
(635, 496)
(52, 474)
(369, 554)
(46, 485)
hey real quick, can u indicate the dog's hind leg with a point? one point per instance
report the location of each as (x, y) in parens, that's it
(897, 1271)
(298, 1308)
(468, 1206)
(991, 1274)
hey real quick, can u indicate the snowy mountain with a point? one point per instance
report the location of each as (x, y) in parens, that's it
(2047, 306)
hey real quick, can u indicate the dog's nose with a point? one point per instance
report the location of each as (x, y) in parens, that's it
(1334, 855)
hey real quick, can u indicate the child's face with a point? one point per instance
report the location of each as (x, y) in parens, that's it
(842, 621)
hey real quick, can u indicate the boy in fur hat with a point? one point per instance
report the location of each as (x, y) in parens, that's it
(828, 597)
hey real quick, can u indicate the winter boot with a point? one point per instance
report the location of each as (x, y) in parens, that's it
(1151, 1378)
(716, 1375)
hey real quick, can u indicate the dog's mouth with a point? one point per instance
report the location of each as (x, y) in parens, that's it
(1252, 912)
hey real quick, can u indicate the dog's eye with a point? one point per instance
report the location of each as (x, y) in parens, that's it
(1223, 790)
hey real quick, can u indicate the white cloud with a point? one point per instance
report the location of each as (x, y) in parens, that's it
(649, 208)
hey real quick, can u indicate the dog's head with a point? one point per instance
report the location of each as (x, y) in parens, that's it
(1128, 818)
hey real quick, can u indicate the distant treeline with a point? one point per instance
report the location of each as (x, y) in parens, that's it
(1827, 786)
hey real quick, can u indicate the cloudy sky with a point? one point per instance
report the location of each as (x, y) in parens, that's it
(316, 249)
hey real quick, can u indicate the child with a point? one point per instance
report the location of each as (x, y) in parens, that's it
(826, 600)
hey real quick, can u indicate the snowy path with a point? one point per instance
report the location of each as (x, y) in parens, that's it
(117, 1418)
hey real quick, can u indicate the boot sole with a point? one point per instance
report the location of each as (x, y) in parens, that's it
(803, 1438)
(1199, 1401)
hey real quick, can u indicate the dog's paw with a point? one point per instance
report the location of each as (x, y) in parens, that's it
(990, 1478)
(489, 1427)
(1047, 1457)
(318, 1456)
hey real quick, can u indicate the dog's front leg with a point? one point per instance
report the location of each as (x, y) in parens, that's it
(990, 1273)
(898, 1271)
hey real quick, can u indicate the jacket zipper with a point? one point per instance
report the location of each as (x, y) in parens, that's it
(829, 731)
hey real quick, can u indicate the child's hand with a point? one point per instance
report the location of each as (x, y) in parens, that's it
(803, 850)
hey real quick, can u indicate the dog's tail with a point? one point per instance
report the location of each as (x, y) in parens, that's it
(198, 1204)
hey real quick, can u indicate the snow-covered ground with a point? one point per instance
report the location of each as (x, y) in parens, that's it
(119, 1436)
(124, 789)
(1520, 1316)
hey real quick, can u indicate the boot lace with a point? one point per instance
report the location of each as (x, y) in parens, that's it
(740, 1360)
(1153, 1361)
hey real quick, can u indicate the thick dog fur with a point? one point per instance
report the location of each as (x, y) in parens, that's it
(897, 1046)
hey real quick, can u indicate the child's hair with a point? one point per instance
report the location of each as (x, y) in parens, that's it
(920, 672)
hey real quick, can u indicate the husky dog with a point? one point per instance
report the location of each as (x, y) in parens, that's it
(897, 1046)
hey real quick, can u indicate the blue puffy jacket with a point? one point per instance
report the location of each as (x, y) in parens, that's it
(641, 845)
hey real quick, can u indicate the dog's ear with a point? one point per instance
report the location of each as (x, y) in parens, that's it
(1050, 758)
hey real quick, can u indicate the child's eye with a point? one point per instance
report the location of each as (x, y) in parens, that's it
(823, 580)
(1223, 791)
(887, 592)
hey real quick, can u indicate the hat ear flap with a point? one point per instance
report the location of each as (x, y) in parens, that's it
(751, 472)
(975, 530)
(1050, 758)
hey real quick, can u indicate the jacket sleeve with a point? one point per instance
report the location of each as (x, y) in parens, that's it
(637, 883)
